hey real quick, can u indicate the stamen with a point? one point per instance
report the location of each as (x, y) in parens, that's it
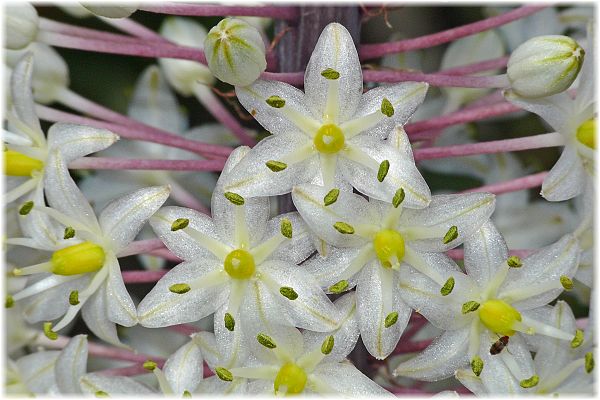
(474, 338)
(229, 322)
(357, 125)
(43, 285)
(179, 223)
(589, 362)
(180, 288)
(50, 334)
(566, 282)
(339, 287)
(74, 298)
(533, 327)
(365, 254)
(266, 341)
(266, 248)
(331, 197)
(286, 228)
(149, 365)
(470, 306)
(276, 166)
(26, 208)
(343, 228)
(514, 262)
(331, 111)
(330, 73)
(383, 170)
(448, 287)
(288, 292)
(529, 383)
(415, 260)
(275, 101)
(101, 393)
(451, 235)
(327, 345)
(328, 164)
(578, 339)
(33, 269)
(234, 198)
(216, 247)
(20, 190)
(224, 374)
(10, 301)
(391, 319)
(477, 365)
(398, 197)
(387, 108)
(69, 233)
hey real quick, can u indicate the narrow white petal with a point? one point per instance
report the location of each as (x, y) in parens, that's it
(71, 365)
(112, 385)
(120, 307)
(346, 380)
(485, 252)
(184, 369)
(95, 316)
(556, 110)
(74, 141)
(22, 97)
(37, 370)
(566, 179)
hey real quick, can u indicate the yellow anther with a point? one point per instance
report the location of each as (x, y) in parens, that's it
(224, 374)
(17, 164)
(499, 317)
(149, 365)
(239, 264)
(586, 133)
(288, 293)
(477, 365)
(292, 377)
(78, 259)
(229, 322)
(529, 383)
(578, 339)
(50, 334)
(329, 139)
(327, 344)
(26, 208)
(9, 301)
(388, 245)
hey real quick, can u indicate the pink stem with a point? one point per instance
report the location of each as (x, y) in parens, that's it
(582, 323)
(369, 51)
(132, 370)
(66, 29)
(411, 347)
(208, 10)
(185, 198)
(493, 146)
(166, 254)
(526, 182)
(477, 67)
(184, 329)
(143, 276)
(442, 80)
(130, 26)
(459, 254)
(149, 133)
(487, 100)
(141, 246)
(136, 164)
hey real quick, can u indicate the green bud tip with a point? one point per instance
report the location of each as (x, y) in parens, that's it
(101, 393)
(529, 383)
(266, 341)
(450, 235)
(477, 365)
(180, 288)
(149, 365)
(578, 339)
(286, 228)
(234, 198)
(391, 319)
(275, 102)
(448, 287)
(288, 292)
(398, 198)
(566, 282)
(470, 306)
(339, 287)
(26, 208)
(50, 334)
(179, 223)
(387, 108)
(69, 233)
(331, 197)
(186, 394)
(224, 374)
(384, 167)
(514, 262)
(327, 345)
(229, 322)
(74, 298)
(589, 362)
(330, 74)
(9, 301)
(276, 166)
(343, 228)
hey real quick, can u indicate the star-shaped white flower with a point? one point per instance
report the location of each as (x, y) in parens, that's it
(498, 296)
(239, 264)
(331, 135)
(375, 240)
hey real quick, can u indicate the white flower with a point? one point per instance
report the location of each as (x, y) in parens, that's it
(497, 297)
(375, 240)
(240, 264)
(21, 21)
(112, 11)
(332, 134)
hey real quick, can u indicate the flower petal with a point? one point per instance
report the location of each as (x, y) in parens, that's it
(327, 270)
(37, 370)
(346, 380)
(119, 306)
(74, 141)
(183, 369)
(567, 177)
(22, 97)
(72, 365)
(302, 244)
(485, 251)
(555, 110)
(231, 345)
(95, 315)
(496, 376)
(95, 382)
(214, 385)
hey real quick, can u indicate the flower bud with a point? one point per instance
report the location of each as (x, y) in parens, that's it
(544, 65)
(21, 25)
(235, 52)
(184, 74)
(112, 11)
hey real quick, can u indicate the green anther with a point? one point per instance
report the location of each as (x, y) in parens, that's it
(149, 365)
(234, 198)
(266, 341)
(179, 223)
(276, 166)
(327, 345)
(286, 228)
(398, 198)
(343, 228)
(50, 334)
(391, 319)
(448, 287)
(187, 394)
(470, 306)
(387, 108)
(275, 102)
(331, 197)
(514, 262)
(288, 292)
(384, 167)
(566, 282)
(69, 233)
(26, 208)
(224, 374)
(477, 365)
(578, 339)
(339, 287)
(529, 383)
(450, 235)
(101, 393)
(229, 322)
(74, 298)
(330, 74)
(9, 301)
(180, 288)
(589, 362)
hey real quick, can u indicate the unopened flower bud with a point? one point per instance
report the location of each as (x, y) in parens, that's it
(21, 25)
(544, 65)
(184, 74)
(112, 11)
(235, 52)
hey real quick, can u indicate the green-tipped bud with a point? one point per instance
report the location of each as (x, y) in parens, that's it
(451, 235)
(470, 306)
(530, 382)
(398, 198)
(275, 102)
(235, 52)
(234, 198)
(477, 365)
(578, 339)
(514, 262)
(101, 393)
(69, 233)
(9, 302)
(149, 365)
(589, 362)
(339, 287)
(180, 288)
(179, 223)
(387, 108)
(74, 298)
(343, 228)
(330, 74)
(331, 197)
(566, 282)
(327, 345)
(391, 319)
(286, 228)
(224, 374)
(50, 334)
(229, 322)
(384, 167)
(266, 341)
(26, 208)
(288, 292)
(448, 287)
(276, 166)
